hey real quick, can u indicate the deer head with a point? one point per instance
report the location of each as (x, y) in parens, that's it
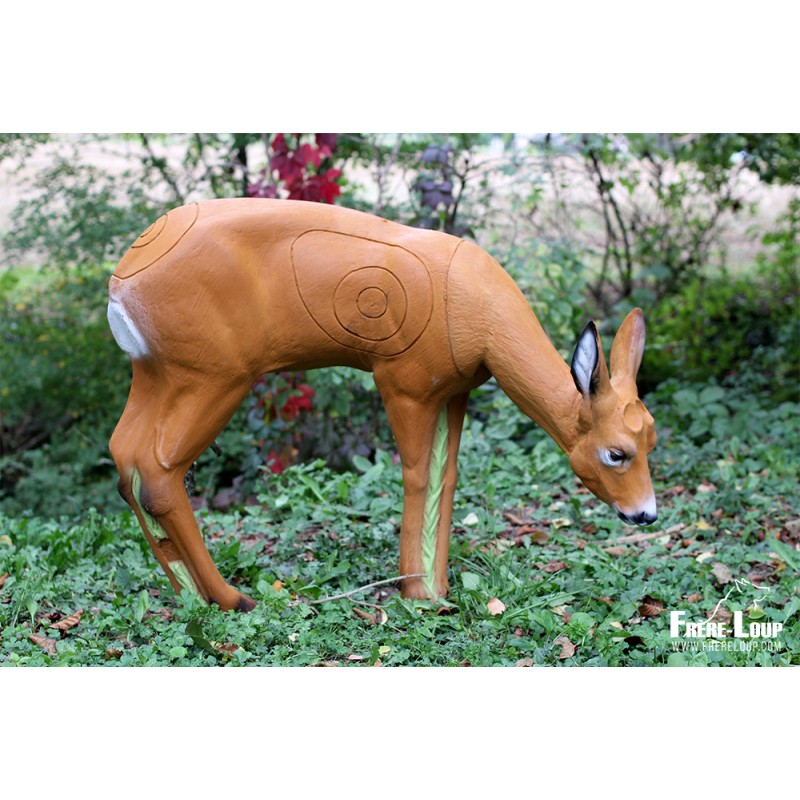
(615, 429)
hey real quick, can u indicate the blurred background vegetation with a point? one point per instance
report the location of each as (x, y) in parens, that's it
(701, 231)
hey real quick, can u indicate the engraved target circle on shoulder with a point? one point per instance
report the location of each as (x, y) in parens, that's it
(369, 295)
(371, 303)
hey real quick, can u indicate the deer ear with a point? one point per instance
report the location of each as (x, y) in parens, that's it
(628, 346)
(585, 366)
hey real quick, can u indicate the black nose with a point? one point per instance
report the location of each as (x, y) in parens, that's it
(642, 518)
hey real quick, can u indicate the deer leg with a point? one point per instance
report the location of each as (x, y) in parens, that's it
(158, 438)
(126, 440)
(456, 409)
(427, 437)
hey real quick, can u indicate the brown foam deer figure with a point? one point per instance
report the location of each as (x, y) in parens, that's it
(214, 294)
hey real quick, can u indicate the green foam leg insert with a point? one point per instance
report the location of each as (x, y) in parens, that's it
(185, 579)
(433, 499)
(156, 531)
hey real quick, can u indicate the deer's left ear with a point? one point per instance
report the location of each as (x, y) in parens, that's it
(588, 365)
(628, 346)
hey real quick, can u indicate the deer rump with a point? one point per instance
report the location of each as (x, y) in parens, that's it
(262, 270)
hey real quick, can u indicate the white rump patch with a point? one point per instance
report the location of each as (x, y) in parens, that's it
(125, 332)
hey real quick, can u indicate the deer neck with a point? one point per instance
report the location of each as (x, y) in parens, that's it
(532, 373)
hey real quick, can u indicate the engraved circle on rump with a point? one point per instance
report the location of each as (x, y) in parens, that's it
(365, 294)
(158, 240)
(152, 232)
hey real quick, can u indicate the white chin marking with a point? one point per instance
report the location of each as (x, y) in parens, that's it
(125, 332)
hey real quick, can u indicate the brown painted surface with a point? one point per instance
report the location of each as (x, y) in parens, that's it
(214, 294)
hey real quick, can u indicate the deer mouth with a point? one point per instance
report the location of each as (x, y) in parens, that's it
(642, 518)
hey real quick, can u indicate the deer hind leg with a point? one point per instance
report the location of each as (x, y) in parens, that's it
(427, 438)
(164, 429)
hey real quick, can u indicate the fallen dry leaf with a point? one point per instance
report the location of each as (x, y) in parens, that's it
(721, 572)
(496, 606)
(365, 615)
(3, 579)
(68, 622)
(524, 662)
(228, 647)
(650, 607)
(615, 551)
(693, 598)
(112, 652)
(537, 536)
(44, 642)
(513, 518)
(722, 615)
(277, 586)
(355, 657)
(555, 566)
(567, 648)
(706, 487)
(378, 663)
(326, 664)
(518, 632)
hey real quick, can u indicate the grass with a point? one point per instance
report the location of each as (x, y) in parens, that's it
(577, 587)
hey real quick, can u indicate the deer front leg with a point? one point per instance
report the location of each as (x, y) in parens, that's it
(427, 438)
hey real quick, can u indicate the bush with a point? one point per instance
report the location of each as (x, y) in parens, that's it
(64, 382)
(724, 325)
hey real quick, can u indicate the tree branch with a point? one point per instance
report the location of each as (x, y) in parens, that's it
(362, 588)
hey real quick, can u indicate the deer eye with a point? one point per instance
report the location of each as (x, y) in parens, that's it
(612, 457)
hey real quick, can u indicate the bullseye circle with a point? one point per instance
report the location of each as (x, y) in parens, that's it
(370, 303)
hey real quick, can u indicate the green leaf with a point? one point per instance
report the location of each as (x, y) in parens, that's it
(711, 394)
(142, 604)
(194, 630)
(470, 580)
(360, 463)
(580, 623)
(788, 554)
